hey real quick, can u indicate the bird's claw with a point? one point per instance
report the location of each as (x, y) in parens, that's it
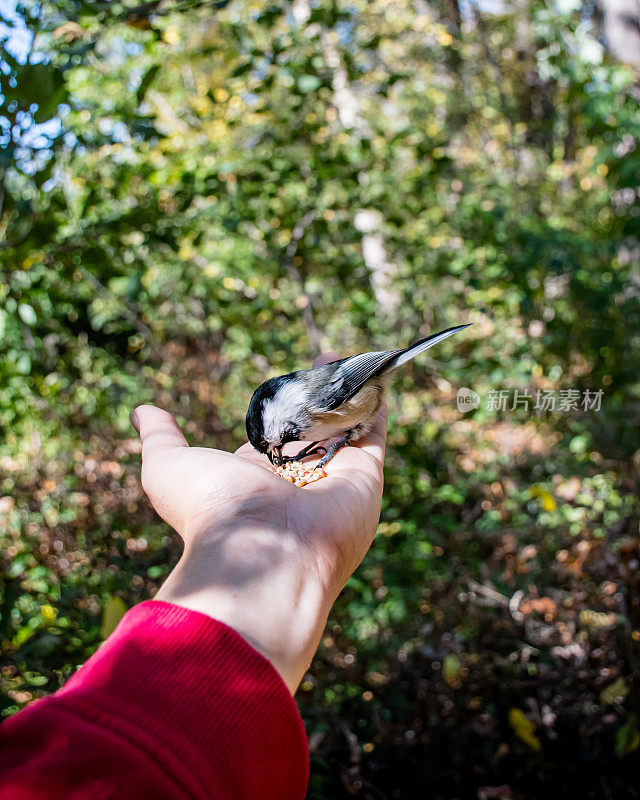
(303, 454)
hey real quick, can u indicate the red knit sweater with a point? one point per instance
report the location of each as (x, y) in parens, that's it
(173, 705)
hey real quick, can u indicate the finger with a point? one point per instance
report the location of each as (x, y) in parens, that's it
(158, 431)
(245, 449)
(375, 441)
(369, 467)
(325, 358)
(248, 451)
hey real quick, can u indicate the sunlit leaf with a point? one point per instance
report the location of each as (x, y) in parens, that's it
(615, 692)
(547, 499)
(27, 314)
(49, 613)
(628, 737)
(113, 611)
(523, 728)
(451, 669)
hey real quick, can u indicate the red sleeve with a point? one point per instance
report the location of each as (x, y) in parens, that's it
(173, 705)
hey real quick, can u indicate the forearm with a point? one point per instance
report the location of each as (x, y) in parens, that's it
(251, 577)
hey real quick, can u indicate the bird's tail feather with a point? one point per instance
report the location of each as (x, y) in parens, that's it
(419, 347)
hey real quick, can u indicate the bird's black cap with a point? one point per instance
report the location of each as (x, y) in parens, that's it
(254, 421)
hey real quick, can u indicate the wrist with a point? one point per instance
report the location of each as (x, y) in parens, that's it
(259, 580)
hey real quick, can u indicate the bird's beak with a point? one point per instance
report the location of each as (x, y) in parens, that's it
(275, 455)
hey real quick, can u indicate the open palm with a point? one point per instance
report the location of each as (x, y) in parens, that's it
(328, 524)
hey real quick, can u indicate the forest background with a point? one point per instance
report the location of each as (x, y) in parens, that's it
(197, 195)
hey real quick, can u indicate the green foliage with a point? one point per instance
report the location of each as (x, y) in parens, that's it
(191, 194)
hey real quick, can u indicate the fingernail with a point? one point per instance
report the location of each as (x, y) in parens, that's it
(133, 416)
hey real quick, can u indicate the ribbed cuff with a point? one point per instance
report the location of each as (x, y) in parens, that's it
(194, 696)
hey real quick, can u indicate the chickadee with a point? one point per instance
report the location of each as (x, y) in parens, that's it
(337, 399)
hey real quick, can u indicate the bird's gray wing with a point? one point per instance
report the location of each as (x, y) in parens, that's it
(346, 377)
(349, 375)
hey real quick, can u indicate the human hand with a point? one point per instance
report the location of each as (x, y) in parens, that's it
(262, 555)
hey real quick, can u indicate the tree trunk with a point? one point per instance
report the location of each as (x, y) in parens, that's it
(622, 29)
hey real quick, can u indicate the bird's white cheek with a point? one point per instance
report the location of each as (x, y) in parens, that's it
(270, 422)
(281, 411)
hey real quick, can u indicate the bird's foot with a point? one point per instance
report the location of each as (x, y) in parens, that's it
(309, 450)
(333, 449)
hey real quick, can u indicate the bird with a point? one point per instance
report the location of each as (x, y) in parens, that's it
(338, 399)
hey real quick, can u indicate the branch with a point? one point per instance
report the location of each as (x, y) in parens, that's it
(497, 76)
(126, 311)
(313, 332)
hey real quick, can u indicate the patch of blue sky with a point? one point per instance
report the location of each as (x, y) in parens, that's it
(17, 38)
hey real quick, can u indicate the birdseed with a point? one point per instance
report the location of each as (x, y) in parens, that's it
(299, 474)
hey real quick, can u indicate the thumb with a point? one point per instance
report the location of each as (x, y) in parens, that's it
(161, 440)
(158, 431)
